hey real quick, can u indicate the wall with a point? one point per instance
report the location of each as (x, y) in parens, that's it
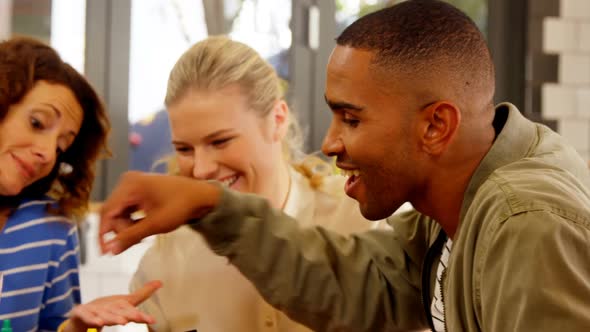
(568, 100)
(5, 19)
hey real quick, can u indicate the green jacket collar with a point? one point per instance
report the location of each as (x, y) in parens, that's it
(512, 143)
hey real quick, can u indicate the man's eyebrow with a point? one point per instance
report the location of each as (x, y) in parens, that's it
(340, 105)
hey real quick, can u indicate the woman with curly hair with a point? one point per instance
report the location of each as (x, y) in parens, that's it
(53, 128)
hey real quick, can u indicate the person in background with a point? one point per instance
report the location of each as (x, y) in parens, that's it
(53, 128)
(149, 143)
(230, 123)
(503, 242)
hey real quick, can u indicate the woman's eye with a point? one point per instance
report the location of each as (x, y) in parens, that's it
(182, 149)
(221, 142)
(36, 123)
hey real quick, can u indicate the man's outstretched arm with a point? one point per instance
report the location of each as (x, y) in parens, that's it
(367, 282)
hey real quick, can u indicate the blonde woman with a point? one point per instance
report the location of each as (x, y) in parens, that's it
(231, 124)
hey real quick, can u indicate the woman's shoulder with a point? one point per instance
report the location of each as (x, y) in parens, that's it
(332, 197)
(40, 214)
(327, 205)
(174, 246)
(314, 181)
(333, 185)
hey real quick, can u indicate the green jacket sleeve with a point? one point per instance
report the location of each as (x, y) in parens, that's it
(329, 282)
(535, 274)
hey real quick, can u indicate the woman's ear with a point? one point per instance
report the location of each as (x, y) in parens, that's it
(280, 115)
(440, 125)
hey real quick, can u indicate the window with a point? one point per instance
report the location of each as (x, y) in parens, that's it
(61, 23)
(349, 10)
(161, 30)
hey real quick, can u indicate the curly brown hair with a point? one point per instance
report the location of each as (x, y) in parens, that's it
(23, 62)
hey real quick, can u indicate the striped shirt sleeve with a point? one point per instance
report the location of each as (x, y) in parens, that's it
(39, 262)
(62, 290)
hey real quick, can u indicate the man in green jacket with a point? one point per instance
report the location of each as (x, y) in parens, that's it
(410, 88)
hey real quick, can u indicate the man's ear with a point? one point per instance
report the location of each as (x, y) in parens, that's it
(280, 115)
(439, 125)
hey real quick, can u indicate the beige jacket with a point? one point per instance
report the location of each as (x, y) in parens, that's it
(203, 291)
(520, 259)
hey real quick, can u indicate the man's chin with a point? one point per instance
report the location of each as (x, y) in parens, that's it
(371, 213)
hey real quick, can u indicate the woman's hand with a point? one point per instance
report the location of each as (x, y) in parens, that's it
(112, 310)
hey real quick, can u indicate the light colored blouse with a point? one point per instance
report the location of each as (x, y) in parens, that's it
(203, 292)
(39, 259)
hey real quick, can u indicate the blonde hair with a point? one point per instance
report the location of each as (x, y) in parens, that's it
(217, 62)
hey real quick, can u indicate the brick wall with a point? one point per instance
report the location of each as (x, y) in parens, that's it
(568, 100)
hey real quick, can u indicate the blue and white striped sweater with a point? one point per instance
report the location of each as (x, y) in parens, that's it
(39, 259)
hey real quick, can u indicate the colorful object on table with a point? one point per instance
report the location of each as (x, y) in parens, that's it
(6, 326)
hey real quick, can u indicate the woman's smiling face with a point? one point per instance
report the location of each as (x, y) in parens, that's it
(34, 133)
(218, 137)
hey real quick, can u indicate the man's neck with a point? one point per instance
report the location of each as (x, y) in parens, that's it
(447, 207)
(445, 194)
(443, 204)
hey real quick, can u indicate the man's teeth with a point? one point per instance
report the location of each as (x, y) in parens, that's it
(348, 173)
(229, 181)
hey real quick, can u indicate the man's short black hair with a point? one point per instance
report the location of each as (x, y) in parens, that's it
(421, 36)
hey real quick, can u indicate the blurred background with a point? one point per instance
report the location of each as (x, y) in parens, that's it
(126, 48)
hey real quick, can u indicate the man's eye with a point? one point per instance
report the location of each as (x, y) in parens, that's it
(350, 121)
